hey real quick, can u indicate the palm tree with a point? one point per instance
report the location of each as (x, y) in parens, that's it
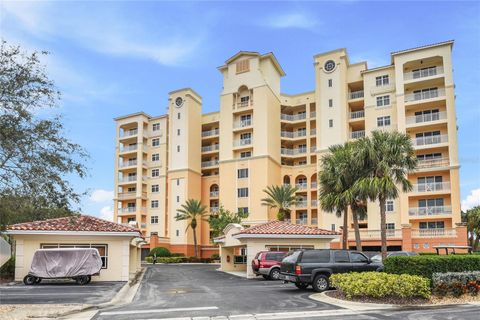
(338, 174)
(472, 219)
(192, 210)
(388, 158)
(281, 198)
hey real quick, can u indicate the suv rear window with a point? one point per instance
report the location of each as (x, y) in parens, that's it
(275, 256)
(292, 257)
(316, 256)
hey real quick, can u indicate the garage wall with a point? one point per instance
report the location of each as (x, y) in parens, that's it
(118, 267)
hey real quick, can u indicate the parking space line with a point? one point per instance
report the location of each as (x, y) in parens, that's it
(113, 313)
(51, 294)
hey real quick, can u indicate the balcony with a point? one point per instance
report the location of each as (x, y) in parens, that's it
(429, 211)
(210, 133)
(430, 140)
(301, 204)
(424, 95)
(434, 233)
(313, 114)
(357, 134)
(213, 147)
(314, 203)
(214, 194)
(212, 163)
(296, 117)
(131, 210)
(129, 148)
(293, 152)
(423, 73)
(129, 133)
(313, 149)
(357, 114)
(314, 221)
(433, 163)
(425, 118)
(366, 234)
(131, 163)
(313, 185)
(293, 134)
(214, 209)
(431, 187)
(301, 221)
(313, 132)
(127, 195)
(301, 186)
(356, 95)
(242, 124)
(242, 142)
(127, 179)
(244, 104)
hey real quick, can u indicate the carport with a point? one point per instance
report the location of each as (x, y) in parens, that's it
(239, 245)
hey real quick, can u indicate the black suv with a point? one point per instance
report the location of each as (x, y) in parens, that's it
(314, 267)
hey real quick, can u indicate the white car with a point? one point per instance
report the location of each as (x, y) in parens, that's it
(378, 257)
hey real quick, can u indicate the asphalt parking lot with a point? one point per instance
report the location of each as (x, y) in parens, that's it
(57, 292)
(170, 291)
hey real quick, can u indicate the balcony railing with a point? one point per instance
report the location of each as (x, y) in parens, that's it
(431, 187)
(129, 148)
(131, 210)
(313, 114)
(428, 140)
(127, 179)
(313, 185)
(301, 186)
(427, 117)
(313, 131)
(425, 95)
(293, 134)
(210, 133)
(242, 142)
(423, 73)
(128, 164)
(127, 195)
(242, 124)
(314, 221)
(314, 203)
(292, 152)
(301, 204)
(211, 163)
(433, 163)
(302, 221)
(294, 117)
(375, 234)
(357, 114)
(214, 194)
(429, 211)
(356, 94)
(358, 134)
(212, 147)
(214, 209)
(313, 149)
(243, 104)
(129, 133)
(434, 233)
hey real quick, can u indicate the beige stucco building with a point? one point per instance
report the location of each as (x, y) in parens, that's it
(261, 136)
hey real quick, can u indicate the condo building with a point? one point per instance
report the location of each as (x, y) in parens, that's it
(261, 136)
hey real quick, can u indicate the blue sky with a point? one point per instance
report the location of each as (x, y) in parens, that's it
(114, 58)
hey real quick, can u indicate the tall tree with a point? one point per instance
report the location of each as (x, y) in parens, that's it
(220, 220)
(338, 174)
(388, 158)
(192, 211)
(472, 218)
(281, 198)
(35, 156)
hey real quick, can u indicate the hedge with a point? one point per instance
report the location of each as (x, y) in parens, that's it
(161, 252)
(380, 284)
(456, 283)
(178, 260)
(427, 265)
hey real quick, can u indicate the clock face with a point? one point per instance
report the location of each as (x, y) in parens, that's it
(329, 65)
(178, 102)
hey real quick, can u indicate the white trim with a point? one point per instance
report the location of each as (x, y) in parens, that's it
(286, 236)
(75, 233)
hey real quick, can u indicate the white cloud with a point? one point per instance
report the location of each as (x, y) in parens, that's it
(100, 195)
(472, 200)
(106, 213)
(291, 20)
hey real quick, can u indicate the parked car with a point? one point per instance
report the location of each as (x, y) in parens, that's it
(78, 264)
(378, 257)
(314, 267)
(267, 264)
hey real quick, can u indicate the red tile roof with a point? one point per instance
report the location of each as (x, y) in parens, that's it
(72, 223)
(281, 227)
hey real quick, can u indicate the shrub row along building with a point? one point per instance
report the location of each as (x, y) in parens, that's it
(262, 137)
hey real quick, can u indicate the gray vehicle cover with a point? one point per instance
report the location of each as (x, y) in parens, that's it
(65, 263)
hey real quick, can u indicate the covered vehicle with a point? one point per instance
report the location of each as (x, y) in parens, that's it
(378, 257)
(78, 264)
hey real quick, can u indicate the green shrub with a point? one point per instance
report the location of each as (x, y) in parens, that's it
(215, 256)
(456, 283)
(427, 265)
(379, 285)
(8, 269)
(177, 254)
(160, 251)
(148, 259)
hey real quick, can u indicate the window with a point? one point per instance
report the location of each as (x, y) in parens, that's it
(178, 198)
(425, 94)
(383, 121)
(178, 182)
(155, 157)
(427, 115)
(242, 192)
(429, 156)
(246, 136)
(302, 148)
(316, 256)
(424, 72)
(302, 162)
(155, 188)
(430, 183)
(330, 123)
(178, 148)
(243, 210)
(383, 101)
(357, 257)
(381, 80)
(246, 154)
(132, 189)
(178, 132)
(154, 204)
(430, 203)
(330, 103)
(177, 232)
(156, 127)
(154, 219)
(432, 225)
(102, 249)
(330, 83)
(341, 256)
(333, 227)
(244, 99)
(178, 115)
(243, 66)
(389, 206)
(155, 142)
(242, 173)
(155, 173)
(390, 226)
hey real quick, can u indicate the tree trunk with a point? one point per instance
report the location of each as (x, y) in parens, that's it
(477, 240)
(358, 241)
(195, 241)
(383, 228)
(470, 238)
(345, 229)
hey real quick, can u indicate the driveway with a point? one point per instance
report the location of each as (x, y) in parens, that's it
(171, 291)
(59, 293)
